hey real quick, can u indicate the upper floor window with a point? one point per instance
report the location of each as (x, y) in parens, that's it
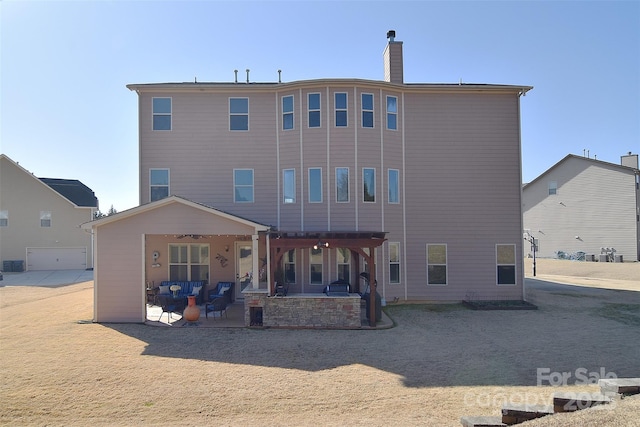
(287, 112)
(394, 262)
(342, 185)
(314, 110)
(315, 185)
(506, 264)
(367, 110)
(239, 113)
(394, 186)
(243, 185)
(437, 264)
(392, 113)
(4, 218)
(158, 184)
(341, 109)
(553, 188)
(289, 185)
(161, 113)
(45, 218)
(368, 185)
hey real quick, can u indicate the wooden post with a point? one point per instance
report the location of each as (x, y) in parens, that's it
(372, 287)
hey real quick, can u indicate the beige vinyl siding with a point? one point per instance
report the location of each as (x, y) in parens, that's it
(463, 189)
(595, 201)
(24, 196)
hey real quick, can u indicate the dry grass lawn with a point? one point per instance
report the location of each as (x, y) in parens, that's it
(439, 363)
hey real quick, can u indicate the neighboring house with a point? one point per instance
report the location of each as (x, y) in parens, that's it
(40, 221)
(308, 182)
(584, 205)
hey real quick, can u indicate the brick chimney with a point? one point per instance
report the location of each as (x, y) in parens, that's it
(393, 68)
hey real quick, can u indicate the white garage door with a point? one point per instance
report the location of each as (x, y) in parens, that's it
(56, 258)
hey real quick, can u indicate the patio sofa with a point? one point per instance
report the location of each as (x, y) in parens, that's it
(195, 288)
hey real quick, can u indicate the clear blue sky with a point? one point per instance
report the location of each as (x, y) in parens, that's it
(66, 113)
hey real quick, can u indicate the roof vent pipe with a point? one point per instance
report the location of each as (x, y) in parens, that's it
(236, 73)
(247, 75)
(391, 35)
(280, 79)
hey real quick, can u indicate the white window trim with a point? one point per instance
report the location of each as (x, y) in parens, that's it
(389, 186)
(372, 111)
(188, 262)
(392, 113)
(284, 200)
(375, 185)
(348, 185)
(336, 109)
(321, 264)
(446, 264)
(293, 108)
(253, 185)
(162, 114)
(515, 265)
(168, 181)
(309, 186)
(239, 114)
(398, 263)
(310, 110)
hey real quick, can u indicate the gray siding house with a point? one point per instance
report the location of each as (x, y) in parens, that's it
(585, 205)
(40, 221)
(417, 184)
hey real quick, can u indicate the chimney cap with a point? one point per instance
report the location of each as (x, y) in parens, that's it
(391, 34)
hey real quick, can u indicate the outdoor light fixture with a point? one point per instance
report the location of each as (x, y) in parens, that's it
(320, 244)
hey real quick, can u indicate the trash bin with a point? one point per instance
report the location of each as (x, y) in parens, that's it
(7, 266)
(18, 266)
(378, 306)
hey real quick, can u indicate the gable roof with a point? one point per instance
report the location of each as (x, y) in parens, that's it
(167, 201)
(596, 162)
(74, 190)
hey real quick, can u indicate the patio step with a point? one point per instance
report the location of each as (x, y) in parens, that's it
(482, 422)
(624, 386)
(570, 402)
(519, 413)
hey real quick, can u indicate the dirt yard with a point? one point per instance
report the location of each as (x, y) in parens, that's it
(439, 363)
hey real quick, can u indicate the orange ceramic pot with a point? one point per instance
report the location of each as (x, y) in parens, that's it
(192, 312)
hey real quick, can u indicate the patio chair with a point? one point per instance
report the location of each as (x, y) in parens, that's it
(169, 305)
(218, 304)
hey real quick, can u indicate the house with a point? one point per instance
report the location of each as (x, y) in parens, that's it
(40, 221)
(309, 182)
(585, 206)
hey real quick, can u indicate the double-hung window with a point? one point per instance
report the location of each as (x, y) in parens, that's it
(161, 113)
(342, 185)
(367, 110)
(341, 109)
(392, 113)
(315, 185)
(289, 185)
(506, 264)
(4, 218)
(315, 266)
(314, 110)
(290, 266)
(394, 262)
(45, 219)
(189, 262)
(239, 113)
(158, 184)
(394, 186)
(243, 185)
(553, 188)
(436, 264)
(287, 112)
(343, 258)
(368, 185)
